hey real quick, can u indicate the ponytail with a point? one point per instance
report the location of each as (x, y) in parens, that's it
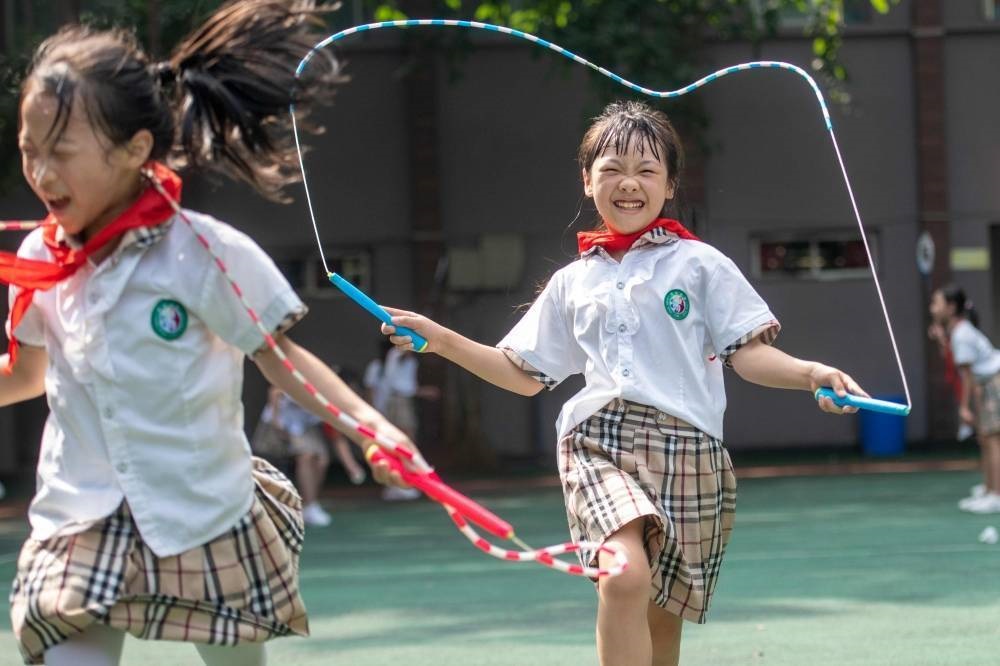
(219, 102)
(955, 296)
(234, 80)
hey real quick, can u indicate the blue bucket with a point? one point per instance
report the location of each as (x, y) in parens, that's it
(882, 434)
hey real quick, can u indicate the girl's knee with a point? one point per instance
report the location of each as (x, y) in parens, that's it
(630, 586)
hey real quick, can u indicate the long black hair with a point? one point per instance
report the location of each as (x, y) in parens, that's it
(219, 101)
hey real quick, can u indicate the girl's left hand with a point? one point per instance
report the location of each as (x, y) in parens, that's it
(381, 471)
(825, 376)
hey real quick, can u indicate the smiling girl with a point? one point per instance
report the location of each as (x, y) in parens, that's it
(649, 315)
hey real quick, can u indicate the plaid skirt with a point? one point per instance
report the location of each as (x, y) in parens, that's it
(240, 587)
(988, 406)
(629, 461)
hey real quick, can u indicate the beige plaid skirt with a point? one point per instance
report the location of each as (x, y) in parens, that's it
(629, 461)
(988, 406)
(242, 587)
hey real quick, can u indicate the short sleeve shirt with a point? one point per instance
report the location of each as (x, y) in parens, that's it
(650, 329)
(970, 346)
(144, 382)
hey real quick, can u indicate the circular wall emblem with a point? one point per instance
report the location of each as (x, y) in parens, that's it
(677, 304)
(169, 319)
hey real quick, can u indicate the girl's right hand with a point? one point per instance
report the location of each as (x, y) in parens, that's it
(433, 332)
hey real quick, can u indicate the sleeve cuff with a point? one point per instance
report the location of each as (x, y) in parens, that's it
(767, 332)
(279, 318)
(528, 369)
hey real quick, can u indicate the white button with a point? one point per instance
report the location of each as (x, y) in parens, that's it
(122, 467)
(620, 285)
(93, 297)
(625, 372)
(622, 328)
(108, 412)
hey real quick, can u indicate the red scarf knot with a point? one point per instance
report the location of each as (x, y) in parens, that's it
(615, 242)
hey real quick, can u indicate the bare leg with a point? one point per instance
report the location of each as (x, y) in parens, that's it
(343, 450)
(246, 654)
(307, 477)
(665, 631)
(97, 645)
(623, 637)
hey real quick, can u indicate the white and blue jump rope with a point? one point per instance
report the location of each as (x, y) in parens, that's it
(420, 344)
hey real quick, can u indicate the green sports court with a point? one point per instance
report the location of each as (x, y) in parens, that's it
(848, 569)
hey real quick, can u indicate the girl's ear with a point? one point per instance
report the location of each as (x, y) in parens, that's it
(671, 188)
(588, 189)
(138, 148)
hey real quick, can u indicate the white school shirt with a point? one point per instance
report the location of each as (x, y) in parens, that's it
(144, 383)
(395, 376)
(970, 346)
(292, 417)
(649, 329)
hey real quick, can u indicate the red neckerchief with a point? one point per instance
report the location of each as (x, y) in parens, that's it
(149, 210)
(615, 242)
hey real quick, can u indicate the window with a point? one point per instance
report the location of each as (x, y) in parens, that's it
(353, 266)
(821, 256)
(856, 12)
(991, 10)
(306, 275)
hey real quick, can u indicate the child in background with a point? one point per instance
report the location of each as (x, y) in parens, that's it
(649, 316)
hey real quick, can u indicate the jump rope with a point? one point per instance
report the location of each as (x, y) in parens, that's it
(410, 465)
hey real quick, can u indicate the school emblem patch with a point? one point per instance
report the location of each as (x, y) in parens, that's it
(677, 304)
(169, 319)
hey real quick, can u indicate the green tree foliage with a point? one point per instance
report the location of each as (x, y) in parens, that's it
(659, 42)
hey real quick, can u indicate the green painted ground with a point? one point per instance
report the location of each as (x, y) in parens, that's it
(834, 570)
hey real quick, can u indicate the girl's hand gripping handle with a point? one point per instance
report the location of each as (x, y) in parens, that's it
(871, 404)
(437, 490)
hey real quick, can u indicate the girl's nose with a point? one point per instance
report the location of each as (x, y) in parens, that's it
(40, 169)
(628, 184)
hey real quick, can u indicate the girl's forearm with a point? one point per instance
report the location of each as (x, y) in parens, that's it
(769, 366)
(488, 363)
(327, 383)
(967, 382)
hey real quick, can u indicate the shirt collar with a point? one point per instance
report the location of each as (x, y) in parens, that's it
(655, 236)
(140, 237)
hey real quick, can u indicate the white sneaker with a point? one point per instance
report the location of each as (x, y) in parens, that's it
(989, 503)
(358, 476)
(314, 515)
(965, 431)
(394, 494)
(975, 493)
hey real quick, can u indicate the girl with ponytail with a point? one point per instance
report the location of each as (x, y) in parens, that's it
(978, 363)
(150, 516)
